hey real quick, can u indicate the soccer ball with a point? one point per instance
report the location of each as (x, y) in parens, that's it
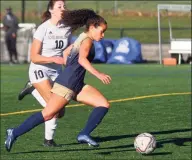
(145, 143)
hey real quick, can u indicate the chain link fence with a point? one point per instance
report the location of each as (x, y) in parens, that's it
(115, 7)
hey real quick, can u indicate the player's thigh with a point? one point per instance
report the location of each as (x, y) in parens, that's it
(44, 88)
(91, 96)
(55, 104)
(40, 80)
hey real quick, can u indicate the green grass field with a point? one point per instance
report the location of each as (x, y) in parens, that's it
(144, 98)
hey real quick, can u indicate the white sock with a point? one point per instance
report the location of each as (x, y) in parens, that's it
(51, 125)
(38, 97)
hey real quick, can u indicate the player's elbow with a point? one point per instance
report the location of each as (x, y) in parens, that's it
(34, 56)
(33, 59)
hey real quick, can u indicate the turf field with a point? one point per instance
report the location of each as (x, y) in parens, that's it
(144, 98)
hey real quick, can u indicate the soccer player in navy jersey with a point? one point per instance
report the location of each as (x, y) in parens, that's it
(69, 85)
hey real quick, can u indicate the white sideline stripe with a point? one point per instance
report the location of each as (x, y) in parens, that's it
(111, 101)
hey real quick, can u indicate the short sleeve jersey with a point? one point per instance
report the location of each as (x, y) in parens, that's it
(54, 40)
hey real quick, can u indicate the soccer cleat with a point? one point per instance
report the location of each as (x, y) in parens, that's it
(26, 90)
(10, 139)
(87, 139)
(50, 143)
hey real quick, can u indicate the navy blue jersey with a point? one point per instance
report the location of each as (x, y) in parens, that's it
(73, 75)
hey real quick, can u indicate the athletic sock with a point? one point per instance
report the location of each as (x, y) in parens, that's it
(38, 97)
(94, 120)
(28, 124)
(50, 127)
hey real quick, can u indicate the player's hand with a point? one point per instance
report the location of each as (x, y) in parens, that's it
(106, 79)
(58, 60)
(13, 35)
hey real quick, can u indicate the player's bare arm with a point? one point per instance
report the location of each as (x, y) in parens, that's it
(66, 53)
(83, 54)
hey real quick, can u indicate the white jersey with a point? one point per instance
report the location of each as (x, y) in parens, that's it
(54, 40)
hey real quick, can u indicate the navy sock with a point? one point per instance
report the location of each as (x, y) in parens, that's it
(94, 120)
(29, 124)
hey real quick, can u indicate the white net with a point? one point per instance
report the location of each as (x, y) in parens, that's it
(178, 45)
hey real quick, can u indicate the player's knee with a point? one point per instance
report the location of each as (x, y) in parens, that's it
(105, 104)
(47, 116)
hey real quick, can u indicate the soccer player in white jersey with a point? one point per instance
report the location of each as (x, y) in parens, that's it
(50, 40)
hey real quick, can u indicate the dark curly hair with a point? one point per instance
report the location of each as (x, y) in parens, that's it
(80, 17)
